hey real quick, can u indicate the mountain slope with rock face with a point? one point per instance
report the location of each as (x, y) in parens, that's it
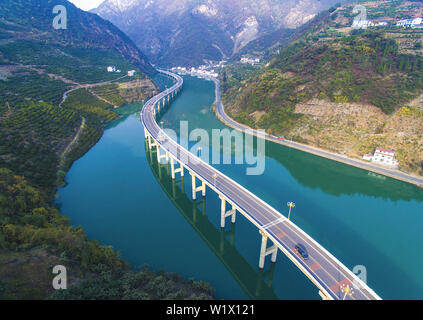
(187, 32)
(31, 20)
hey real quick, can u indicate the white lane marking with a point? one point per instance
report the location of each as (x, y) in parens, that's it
(274, 222)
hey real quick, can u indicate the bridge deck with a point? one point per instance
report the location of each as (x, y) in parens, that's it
(324, 270)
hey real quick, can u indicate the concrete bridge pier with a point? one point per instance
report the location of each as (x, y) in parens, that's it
(195, 189)
(224, 214)
(175, 187)
(175, 171)
(151, 143)
(162, 156)
(265, 251)
(158, 154)
(148, 141)
(172, 167)
(154, 144)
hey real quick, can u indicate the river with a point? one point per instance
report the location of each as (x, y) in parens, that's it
(120, 196)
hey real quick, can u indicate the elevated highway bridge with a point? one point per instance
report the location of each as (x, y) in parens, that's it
(333, 279)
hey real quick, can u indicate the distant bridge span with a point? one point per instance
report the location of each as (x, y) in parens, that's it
(330, 276)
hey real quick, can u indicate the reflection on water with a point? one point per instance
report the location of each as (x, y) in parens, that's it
(257, 284)
(339, 179)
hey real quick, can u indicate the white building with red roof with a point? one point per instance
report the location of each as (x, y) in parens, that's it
(382, 156)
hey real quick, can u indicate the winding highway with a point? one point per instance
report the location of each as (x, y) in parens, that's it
(334, 280)
(395, 174)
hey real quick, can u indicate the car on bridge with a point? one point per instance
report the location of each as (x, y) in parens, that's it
(301, 251)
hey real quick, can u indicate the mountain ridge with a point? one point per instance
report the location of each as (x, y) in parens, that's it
(203, 30)
(84, 29)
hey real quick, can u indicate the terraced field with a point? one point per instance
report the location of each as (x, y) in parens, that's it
(31, 139)
(26, 85)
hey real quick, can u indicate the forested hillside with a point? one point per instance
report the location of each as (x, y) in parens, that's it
(363, 68)
(35, 237)
(37, 65)
(43, 131)
(313, 89)
(33, 20)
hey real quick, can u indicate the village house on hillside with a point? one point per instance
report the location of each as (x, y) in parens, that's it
(381, 23)
(409, 22)
(112, 69)
(250, 60)
(363, 24)
(385, 157)
(405, 23)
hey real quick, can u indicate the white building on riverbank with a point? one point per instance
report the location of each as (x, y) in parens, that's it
(385, 157)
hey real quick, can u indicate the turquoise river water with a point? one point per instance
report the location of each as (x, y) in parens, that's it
(122, 197)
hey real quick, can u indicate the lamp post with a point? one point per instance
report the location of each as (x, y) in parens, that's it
(215, 177)
(347, 290)
(290, 205)
(199, 152)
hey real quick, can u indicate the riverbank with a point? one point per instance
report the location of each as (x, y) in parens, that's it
(395, 174)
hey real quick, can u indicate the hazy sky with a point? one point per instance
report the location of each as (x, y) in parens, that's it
(86, 4)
